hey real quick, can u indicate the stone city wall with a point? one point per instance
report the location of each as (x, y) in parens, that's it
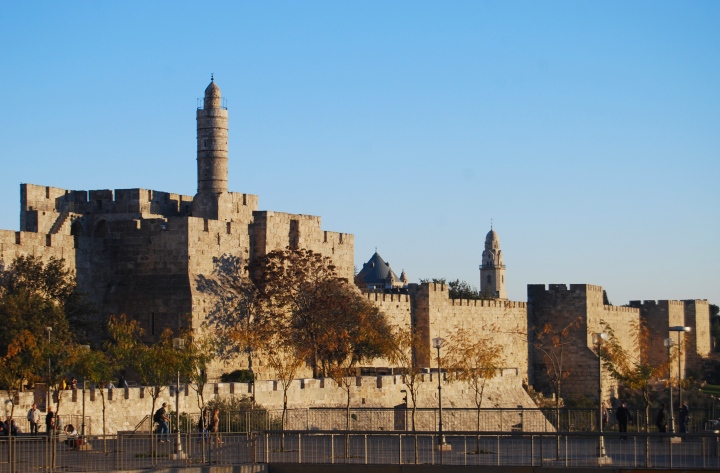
(126, 408)
(562, 306)
(505, 322)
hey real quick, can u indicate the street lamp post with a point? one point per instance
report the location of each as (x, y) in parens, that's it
(680, 329)
(669, 342)
(178, 344)
(86, 349)
(438, 343)
(598, 339)
(49, 394)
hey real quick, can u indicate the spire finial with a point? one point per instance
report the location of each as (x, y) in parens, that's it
(212, 77)
(491, 224)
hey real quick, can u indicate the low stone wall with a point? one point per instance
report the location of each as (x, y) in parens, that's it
(126, 408)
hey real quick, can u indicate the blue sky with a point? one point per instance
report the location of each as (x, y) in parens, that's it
(588, 131)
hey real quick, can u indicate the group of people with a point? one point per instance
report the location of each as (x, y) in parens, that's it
(684, 418)
(623, 417)
(206, 427)
(8, 427)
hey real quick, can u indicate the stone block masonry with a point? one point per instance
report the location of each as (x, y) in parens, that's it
(125, 408)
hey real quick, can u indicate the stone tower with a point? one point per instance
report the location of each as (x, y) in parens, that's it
(212, 142)
(212, 154)
(492, 270)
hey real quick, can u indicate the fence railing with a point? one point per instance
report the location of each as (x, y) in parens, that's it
(426, 420)
(696, 451)
(25, 454)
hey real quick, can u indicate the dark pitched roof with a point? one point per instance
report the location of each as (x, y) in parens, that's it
(375, 271)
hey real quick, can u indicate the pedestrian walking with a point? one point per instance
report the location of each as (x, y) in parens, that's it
(162, 420)
(214, 426)
(623, 417)
(50, 421)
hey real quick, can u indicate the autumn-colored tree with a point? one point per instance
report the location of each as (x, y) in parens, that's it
(292, 284)
(630, 365)
(21, 357)
(473, 359)
(356, 332)
(551, 342)
(407, 349)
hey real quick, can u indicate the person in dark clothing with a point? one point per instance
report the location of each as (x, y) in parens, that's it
(50, 421)
(623, 416)
(684, 417)
(661, 419)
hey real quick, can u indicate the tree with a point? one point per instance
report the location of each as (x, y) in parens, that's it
(35, 295)
(408, 346)
(634, 372)
(550, 343)
(97, 367)
(156, 365)
(21, 357)
(291, 283)
(358, 332)
(475, 360)
(199, 353)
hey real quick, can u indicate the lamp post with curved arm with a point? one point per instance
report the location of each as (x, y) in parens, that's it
(598, 339)
(178, 344)
(669, 342)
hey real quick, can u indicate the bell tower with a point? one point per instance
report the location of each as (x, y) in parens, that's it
(492, 269)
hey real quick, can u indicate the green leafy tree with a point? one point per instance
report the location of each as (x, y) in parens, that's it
(96, 367)
(199, 353)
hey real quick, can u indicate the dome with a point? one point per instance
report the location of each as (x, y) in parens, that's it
(212, 90)
(212, 95)
(492, 236)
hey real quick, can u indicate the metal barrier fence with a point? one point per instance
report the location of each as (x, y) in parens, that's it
(426, 420)
(25, 454)
(698, 451)
(132, 452)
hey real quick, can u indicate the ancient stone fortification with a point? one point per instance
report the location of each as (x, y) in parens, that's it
(141, 252)
(560, 305)
(659, 315)
(125, 408)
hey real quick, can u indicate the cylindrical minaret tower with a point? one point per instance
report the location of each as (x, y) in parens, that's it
(212, 142)
(492, 270)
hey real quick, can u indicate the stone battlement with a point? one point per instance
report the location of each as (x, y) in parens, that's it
(652, 303)
(44, 199)
(620, 308)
